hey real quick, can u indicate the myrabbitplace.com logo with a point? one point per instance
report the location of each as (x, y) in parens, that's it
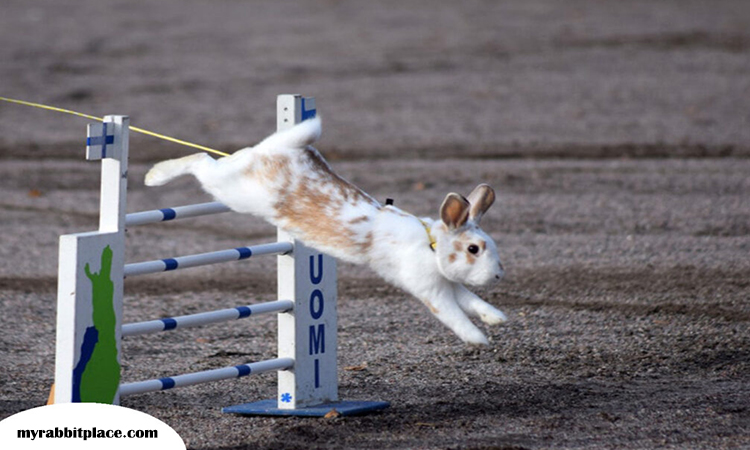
(87, 425)
(86, 433)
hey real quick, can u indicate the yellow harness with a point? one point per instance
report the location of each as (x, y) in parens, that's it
(433, 243)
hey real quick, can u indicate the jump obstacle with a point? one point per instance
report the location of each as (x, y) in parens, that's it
(91, 291)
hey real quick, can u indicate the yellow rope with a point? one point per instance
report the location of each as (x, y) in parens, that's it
(136, 129)
(178, 141)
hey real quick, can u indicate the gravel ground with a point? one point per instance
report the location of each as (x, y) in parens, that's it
(615, 133)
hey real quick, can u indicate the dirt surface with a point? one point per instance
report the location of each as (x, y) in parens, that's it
(615, 133)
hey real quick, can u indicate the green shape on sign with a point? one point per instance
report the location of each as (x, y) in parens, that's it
(101, 377)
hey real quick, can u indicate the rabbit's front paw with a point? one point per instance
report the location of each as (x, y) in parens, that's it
(474, 337)
(492, 316)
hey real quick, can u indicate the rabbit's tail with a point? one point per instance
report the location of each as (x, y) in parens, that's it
(299, 136)
(165, 171)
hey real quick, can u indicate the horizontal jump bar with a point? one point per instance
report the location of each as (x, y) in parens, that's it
(203, 259)
(178, 212)
(189, 379)
(195, 320)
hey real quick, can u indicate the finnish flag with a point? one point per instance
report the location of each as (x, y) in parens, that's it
(100, 141)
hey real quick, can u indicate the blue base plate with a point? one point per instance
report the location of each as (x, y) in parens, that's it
(268, 408)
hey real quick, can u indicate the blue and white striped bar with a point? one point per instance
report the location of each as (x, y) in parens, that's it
(178, 212)
(206, 318)
(162, 384)
(203, 259)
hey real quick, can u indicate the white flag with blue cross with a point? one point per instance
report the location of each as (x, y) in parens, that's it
(101, 142)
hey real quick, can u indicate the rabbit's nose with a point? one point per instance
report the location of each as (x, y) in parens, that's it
(502, 271)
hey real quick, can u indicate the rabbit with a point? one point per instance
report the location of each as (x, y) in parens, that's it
(287, 182)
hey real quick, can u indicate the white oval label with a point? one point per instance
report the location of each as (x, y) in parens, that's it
(87, 425)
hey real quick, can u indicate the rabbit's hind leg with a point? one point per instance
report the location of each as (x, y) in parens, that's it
(165, 171)
(475, 306)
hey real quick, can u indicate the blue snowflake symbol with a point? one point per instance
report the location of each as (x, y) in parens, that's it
(286, 398)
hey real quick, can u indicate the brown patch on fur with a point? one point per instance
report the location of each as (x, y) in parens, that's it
(461, 245)
(365, 245)
(305, 206)
(452, 258)
(348, 191)
(311, 211)
(269, 169)
(431, 307)
(359, 219)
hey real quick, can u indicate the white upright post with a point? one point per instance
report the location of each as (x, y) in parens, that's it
(114, 183)
(90, 281)
(308, 333)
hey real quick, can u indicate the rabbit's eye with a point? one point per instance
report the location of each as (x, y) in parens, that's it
(473, 249)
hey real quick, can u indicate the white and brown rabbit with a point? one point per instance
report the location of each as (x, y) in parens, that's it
(288, 183)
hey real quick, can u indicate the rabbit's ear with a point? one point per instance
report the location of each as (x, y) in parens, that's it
(481, 198)
(454, 211)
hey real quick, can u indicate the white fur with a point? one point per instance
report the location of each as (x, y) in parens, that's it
(288, 183)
